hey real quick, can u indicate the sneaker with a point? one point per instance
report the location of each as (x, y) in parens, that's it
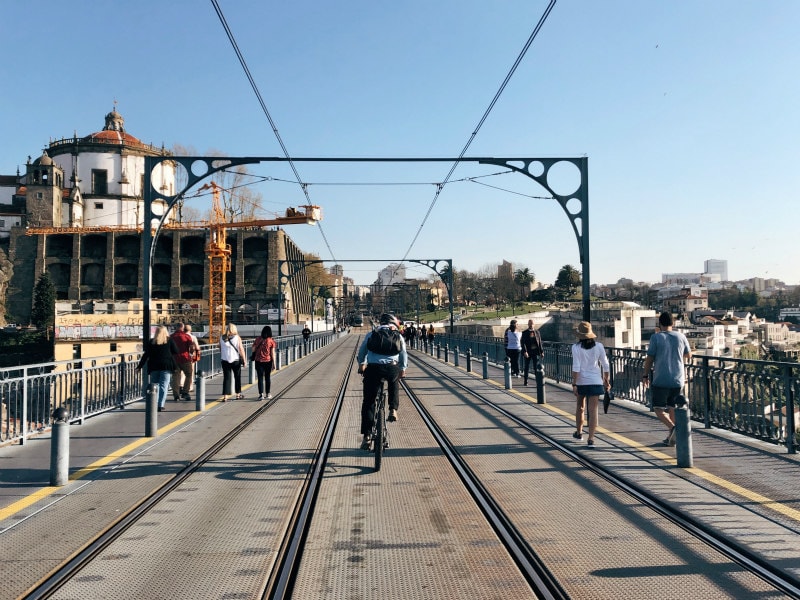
(224, 398)
(671, 437)
(261, 396)
(269, 396)
(590, 444)
(577, 436)
(160, 409)
(524, 382)
(366, 442)
(392, 415)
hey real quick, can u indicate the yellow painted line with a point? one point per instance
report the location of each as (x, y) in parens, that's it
(30, 499)
(745, 493)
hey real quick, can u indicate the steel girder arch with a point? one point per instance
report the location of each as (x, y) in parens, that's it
(443, 267)
(575, 205)
(197, 168)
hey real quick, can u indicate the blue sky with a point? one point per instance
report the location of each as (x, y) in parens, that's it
(687, 112)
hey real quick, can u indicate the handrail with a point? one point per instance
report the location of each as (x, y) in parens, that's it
(755, 398)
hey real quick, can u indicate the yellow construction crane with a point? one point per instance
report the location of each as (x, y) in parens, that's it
(218, 250)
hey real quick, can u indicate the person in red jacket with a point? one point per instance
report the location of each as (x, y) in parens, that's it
(264, 356)
(183, 363)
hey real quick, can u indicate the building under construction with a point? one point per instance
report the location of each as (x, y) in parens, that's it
(83, 197)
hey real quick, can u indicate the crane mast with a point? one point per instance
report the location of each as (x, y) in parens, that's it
(218, 251)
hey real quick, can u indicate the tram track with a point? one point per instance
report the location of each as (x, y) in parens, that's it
(279, 581)
(748, 560)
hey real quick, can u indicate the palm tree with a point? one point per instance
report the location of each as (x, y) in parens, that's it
(523, 278)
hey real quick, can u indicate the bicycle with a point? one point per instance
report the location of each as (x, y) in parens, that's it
(380, 433)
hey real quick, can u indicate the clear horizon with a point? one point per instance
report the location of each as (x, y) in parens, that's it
(687, 114)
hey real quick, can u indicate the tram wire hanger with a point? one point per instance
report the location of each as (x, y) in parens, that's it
(198, 168)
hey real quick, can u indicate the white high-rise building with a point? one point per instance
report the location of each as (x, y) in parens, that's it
(719, 267)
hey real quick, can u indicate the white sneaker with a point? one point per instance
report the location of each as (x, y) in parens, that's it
(269, 396)
(261, 396)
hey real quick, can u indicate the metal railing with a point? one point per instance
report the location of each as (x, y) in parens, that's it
(755, 398)
(30, 394)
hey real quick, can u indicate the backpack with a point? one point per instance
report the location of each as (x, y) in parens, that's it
(385, 341)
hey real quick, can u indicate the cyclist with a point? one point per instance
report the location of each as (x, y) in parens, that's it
(375, 367)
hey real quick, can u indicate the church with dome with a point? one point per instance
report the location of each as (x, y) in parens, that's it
(95, 183)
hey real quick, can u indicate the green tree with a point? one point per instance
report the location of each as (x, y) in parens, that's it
(567, 282)
(523, 278)
(43, 314)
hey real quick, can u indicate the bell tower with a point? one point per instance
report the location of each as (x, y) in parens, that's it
(44, 182)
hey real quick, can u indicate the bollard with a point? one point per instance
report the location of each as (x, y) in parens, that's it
(683, 434)
(507, 373)
(539, 373)
(486, 365)
(200, 392)
(469, 360)
(251, 372)
(455, 356)
(151, 411)
(438, 351)
(277, 359)
(59, 448)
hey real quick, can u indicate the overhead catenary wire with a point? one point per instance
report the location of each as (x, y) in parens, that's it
(264, 108)
(511, 71)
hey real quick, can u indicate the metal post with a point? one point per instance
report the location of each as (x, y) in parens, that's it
(683, 434)
(469, 360)
(486, 365)
(446, 352)
(791, 447)
(277, 359)
(251, 372)
(200, 392)
(507, 373)
(151, 412)
(438, 351)
(455, 356)
(539, 372)
(59, 448)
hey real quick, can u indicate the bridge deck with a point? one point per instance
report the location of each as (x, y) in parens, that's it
(408, 531)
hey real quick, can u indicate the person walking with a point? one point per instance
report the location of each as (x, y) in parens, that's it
(231, 353)
(184, 367)
(590, 378)
(667, 354)
(513, 346)
(264, 357)
(532, 349)
(158, 356)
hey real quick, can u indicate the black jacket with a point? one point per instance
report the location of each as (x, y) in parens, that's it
(532, 342)
(159, 357)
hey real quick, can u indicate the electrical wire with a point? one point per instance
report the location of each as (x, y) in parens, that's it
(511, 71)
(264, 108)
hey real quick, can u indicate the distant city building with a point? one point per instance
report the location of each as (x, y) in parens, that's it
(680, 278)
(505, 271)
(718, 267)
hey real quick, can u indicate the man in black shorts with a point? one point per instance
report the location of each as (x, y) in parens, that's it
(666, 355)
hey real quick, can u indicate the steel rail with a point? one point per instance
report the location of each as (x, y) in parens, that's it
(539, 577)
(740, 555)
(62, 574)
(282, 579)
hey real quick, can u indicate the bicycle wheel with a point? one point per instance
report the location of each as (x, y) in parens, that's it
(380, 432)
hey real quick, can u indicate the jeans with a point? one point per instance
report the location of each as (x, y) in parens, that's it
(513, 356)
(187, 371)
(264, 370)
(229, 368)
(530, 359)
(161, 380)
(372, 380)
